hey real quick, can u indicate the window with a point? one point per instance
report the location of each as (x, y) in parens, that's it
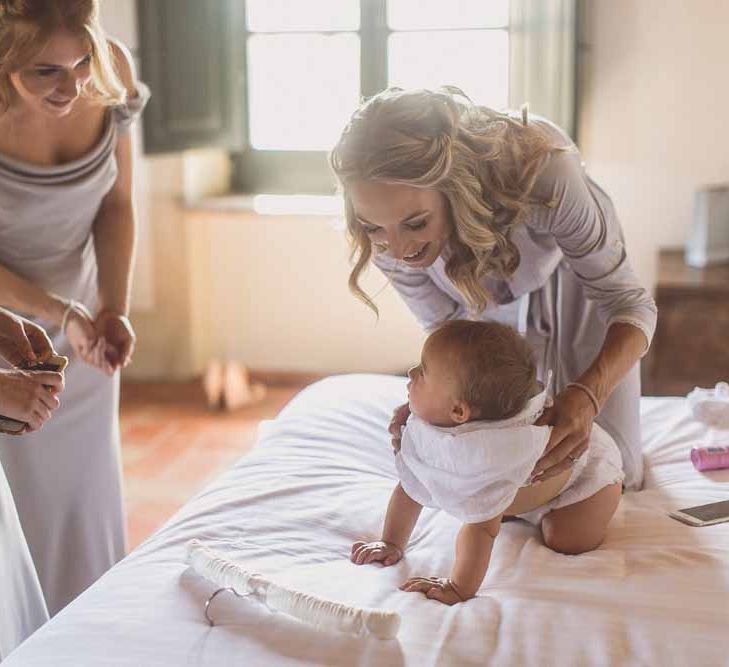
(464, 44)
(275, 81)
(307, 65)
(302, 72)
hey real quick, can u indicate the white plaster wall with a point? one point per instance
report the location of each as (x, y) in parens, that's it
(653, 113)
(278, 297)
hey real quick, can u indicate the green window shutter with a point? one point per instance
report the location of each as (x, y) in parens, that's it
(188, 51)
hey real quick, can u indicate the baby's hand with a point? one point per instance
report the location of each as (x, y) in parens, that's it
(375, 552)
(435, 588)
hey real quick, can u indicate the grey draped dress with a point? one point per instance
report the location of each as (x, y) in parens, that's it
(66, 477)
(574, 275)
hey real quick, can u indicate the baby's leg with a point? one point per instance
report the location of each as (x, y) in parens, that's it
(581, 527)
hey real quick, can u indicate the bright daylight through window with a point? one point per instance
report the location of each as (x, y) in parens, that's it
(304, 61)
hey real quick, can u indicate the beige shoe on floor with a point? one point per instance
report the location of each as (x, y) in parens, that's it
(213, 384)
(238, 391)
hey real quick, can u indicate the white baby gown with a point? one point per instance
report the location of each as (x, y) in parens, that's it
(22, 608)
(474, 471)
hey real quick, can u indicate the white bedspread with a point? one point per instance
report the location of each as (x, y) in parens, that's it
(656, 592)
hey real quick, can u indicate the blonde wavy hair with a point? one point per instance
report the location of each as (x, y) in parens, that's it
(484, 162)
(27, 25)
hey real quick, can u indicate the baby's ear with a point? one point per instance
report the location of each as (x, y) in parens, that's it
(460, 412)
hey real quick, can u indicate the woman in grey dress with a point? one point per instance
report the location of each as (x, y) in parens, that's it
(30, 397)
(67, 97)
(475, 213)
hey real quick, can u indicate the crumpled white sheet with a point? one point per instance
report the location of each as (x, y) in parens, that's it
(655, 593)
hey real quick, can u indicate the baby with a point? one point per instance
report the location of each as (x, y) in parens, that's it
(469, 448)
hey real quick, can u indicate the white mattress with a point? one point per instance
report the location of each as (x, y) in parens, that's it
(656, 592)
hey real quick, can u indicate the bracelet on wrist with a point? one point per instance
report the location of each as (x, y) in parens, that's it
(589, 393)
(66, 313)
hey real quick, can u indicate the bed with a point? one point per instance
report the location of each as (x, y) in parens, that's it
(655, 593)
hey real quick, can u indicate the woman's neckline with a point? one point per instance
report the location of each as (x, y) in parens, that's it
(68, 164)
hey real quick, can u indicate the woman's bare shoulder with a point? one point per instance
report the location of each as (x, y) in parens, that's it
(124, 64)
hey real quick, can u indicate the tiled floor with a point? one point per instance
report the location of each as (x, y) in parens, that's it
(172, 445)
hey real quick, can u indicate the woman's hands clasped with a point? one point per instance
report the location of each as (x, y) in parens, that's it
(571, 419)
(117, 340)
(107, 342)
(81, 332)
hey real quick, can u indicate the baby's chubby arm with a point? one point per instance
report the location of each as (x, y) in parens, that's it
(402, 515)
(473, 553)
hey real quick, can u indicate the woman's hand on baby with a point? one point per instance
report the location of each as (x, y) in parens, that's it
(29, 396)
(571, 419)
(375, 552)
(399, 418)
(435, 588)
(22, 342)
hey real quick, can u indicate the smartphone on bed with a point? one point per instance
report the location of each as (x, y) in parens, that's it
(703, 515)
(54, 363)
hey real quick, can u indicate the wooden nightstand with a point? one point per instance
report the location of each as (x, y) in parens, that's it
(691, 344)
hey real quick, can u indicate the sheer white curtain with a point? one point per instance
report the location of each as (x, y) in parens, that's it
(543, 45)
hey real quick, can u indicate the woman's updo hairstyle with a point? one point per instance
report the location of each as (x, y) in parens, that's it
(27, 25)
(484, 162)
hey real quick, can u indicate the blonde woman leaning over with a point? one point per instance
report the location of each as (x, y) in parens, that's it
(67, 97)
(476, 214)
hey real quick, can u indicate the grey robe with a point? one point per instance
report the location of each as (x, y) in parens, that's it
(66, 477)
(575, 271)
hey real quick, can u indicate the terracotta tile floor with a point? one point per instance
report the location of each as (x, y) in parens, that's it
(172, 445)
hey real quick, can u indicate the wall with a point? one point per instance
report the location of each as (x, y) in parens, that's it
(276, 297)
(652, 121)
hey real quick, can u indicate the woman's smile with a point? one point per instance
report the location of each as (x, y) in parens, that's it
(417, 256)
(60, 104)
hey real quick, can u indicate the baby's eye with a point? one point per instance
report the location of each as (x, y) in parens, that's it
(370, 229)
(414, 226)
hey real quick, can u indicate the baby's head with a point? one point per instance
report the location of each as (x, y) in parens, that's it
(472, 370)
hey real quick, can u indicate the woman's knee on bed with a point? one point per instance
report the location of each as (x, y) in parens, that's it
(581, 527)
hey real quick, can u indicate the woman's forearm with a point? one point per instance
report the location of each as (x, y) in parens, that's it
(114, 243)
(623, 347)
(23, 296)
(402, 515)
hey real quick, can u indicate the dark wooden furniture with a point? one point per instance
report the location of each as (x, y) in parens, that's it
(691, 344)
